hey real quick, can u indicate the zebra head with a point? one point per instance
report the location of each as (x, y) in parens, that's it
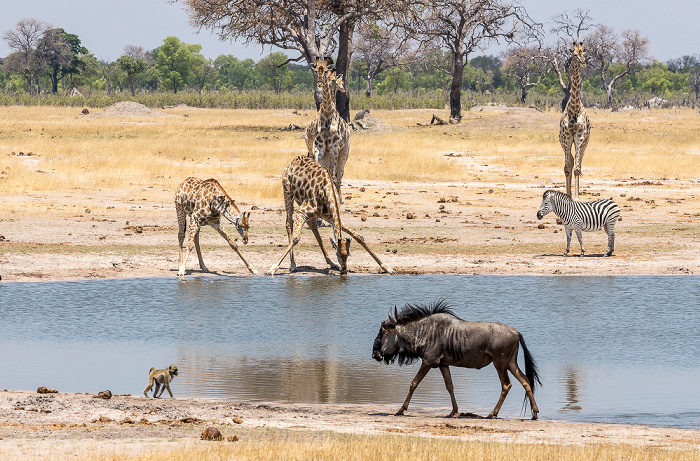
(546, 205)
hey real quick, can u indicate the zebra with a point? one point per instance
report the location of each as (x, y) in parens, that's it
(581, 216)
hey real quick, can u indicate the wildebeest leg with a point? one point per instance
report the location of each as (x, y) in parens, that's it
(361, 240)
(422, 371)
(314, 229)
(505, 388)
(447, 376)
(515, 370)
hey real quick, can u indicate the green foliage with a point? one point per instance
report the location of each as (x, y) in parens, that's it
(659, 80)
(175, 62)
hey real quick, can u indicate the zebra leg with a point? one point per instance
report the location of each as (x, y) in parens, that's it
(610, 229)
(568, 240)
(580, 239)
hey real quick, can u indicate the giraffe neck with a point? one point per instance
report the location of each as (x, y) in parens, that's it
(574, 106)
(327, 108)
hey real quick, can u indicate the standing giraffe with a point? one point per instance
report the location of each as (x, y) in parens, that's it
(575, 126)
(205, 202)
(327, 135)
(310, 185)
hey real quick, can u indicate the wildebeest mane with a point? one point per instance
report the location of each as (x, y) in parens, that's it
(412, 312)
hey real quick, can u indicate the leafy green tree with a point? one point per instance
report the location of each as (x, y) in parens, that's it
(133, 68)
(659, 80)
(233, 73)
(61, 52)
(395, 79)
(175, 62)
(274, 71)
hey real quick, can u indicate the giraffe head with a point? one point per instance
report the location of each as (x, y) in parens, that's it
(577, 52)
(222, 205)
(336, 81)
(342, 251)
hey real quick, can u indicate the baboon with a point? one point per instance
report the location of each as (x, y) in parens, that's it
(163, 377)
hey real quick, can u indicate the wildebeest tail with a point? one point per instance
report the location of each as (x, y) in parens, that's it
(531, 371)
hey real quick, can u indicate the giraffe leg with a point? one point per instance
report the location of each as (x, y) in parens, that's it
(581, 142)
(361, 241)
(566, 142)
(182, 226)
(194, 230)
(232, 243)
(199, 253)
(299, 219)
(340, 167)
(314, 230)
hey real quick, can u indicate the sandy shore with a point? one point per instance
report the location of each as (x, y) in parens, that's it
(416, 228)
(63, 425)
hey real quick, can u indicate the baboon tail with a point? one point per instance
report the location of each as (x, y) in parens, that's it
(151, 370)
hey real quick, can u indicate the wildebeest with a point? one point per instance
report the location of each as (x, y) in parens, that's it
(434, 334)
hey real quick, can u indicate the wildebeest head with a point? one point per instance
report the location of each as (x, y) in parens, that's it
(223, 206)
(386, 344)
(342, 251)
(546, 205)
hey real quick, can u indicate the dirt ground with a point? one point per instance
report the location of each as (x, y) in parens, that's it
(61, 426)
(416, 228)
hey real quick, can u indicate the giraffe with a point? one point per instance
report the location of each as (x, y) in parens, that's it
(205, 202)
(327, 135)
(311, 186)
(575, 126)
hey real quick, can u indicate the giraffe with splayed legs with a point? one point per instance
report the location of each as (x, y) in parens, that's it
(575, 126)
(310, 185)
(204, 203)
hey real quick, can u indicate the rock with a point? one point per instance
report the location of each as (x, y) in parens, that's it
(541, 226)
(410, 216)
(104, 395)
(232, 438)
(85, 111)
(45, 390)
(211, 433)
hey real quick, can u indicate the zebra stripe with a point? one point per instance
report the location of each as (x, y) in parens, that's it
(581, 216)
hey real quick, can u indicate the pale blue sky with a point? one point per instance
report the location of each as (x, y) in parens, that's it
(107, 26)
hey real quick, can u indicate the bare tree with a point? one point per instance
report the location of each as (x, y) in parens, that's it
(527, 67)
(606, 48)
(463, 26)
(377, 49)
(23, 41)
(311, 28)
(568, 29)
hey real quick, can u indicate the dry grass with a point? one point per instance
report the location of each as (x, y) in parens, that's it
(298, 445)
(245, 150)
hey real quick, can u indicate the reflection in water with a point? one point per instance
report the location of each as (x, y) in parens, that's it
(309, 339)
(572, 393)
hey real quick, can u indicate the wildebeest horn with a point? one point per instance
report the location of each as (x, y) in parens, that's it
(392, 320)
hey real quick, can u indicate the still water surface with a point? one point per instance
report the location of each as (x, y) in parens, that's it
(615, 349)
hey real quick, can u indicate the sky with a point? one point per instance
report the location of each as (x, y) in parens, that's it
(105, 27)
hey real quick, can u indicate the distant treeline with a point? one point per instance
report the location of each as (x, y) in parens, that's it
(56, 69)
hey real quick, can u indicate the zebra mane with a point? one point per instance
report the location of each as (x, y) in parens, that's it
(555, 193)
(413, 312)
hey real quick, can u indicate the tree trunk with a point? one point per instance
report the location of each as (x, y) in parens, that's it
(342, 65)
(456, 88)
(523, 93)
(565, 99)
(54, 81)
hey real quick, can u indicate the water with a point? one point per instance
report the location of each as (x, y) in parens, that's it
(610, 349)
